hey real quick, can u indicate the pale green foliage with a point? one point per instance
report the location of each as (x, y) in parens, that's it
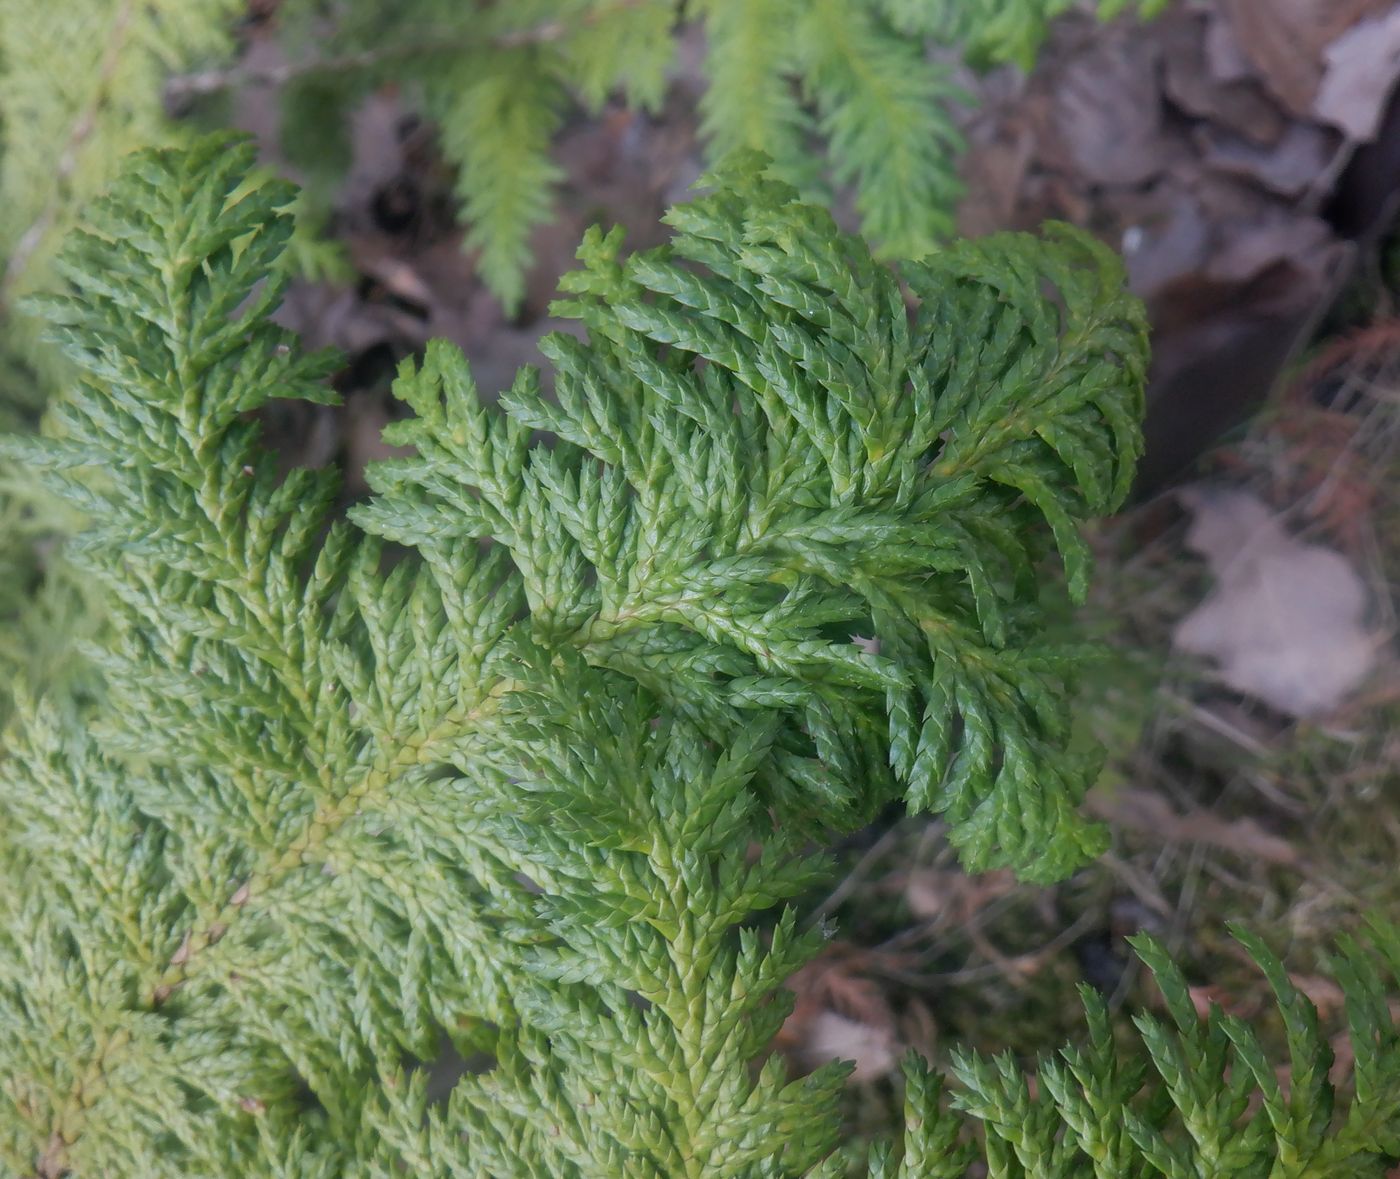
(82, 85)
(784, 77)
(500, 132)
(80, 88)
(45, 611)
(537, 787)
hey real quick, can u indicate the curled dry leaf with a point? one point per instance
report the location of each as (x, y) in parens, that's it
(1285, 621)
(840, 1013)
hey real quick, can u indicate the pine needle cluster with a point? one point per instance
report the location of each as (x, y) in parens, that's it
(526, 760)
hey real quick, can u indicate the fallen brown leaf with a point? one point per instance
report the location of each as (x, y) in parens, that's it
(1362, 66)
(840, 1013)
(1284, 40)
(1324, 993)
(1272, 237)
(993, 173)
(1286, 619)
(1230, 98)
(1288, 166)
(1108, 111)
(832, 1036)
(951, 895)
(1209, 995)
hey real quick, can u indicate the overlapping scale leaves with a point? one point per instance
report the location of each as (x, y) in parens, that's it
(477, 859)
(291, 903)
(400, 804)
(773, 487)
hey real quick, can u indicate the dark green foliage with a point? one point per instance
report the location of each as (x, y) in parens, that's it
(539, 788)
(775, 493)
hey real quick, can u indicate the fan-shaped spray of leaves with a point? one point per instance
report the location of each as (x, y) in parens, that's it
(538, 789)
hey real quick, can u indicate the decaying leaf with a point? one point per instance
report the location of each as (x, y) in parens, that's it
(840, 1013)
(1362, 67)
(1285, 621)
(831, 1036)
(1108, 109)
(1288, 166)
(1284, 40)
(1224, 94)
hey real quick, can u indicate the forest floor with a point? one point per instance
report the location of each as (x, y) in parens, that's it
(1237, 153)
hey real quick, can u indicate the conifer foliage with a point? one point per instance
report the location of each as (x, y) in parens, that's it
(782, 76)
(536, 780)
(80, 87)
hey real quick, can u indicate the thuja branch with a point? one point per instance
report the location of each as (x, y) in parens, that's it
(750, 547)
(535, 787)
(494, 790)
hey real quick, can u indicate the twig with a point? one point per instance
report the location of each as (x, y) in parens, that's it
(1011, 967)
(853, 877)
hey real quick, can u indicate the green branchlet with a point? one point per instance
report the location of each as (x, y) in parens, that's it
(80, 87)
(535, 790)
